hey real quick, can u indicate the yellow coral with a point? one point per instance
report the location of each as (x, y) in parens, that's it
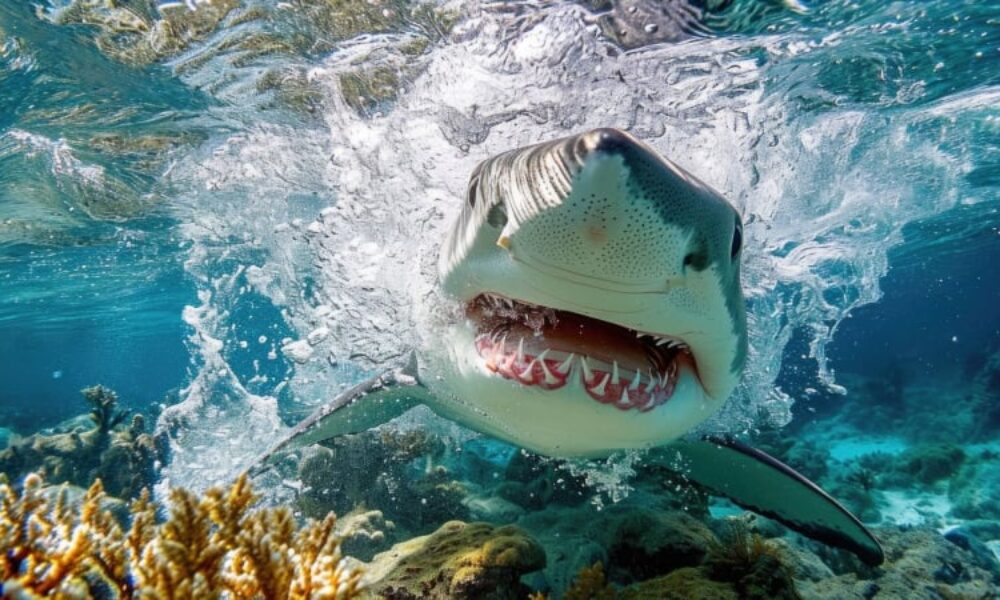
(590, 584)
(211, 546)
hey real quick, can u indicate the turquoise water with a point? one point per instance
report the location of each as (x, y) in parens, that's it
(179, 203)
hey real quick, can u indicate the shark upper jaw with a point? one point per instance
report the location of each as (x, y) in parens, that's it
(549, 349)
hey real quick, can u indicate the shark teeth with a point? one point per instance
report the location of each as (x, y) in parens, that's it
(662, 340)
(566, 365)
(636, 381)
(613, 384)
(526, 375)
(547, 375)
(600, 388)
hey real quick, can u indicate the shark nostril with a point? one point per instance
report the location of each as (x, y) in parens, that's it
(695, 260)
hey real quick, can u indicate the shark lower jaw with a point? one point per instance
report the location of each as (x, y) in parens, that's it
(548, 349)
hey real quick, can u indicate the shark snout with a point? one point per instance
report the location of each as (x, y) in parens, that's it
(607, 140)
(605, 229)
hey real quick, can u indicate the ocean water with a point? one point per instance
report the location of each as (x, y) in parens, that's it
(228, 211)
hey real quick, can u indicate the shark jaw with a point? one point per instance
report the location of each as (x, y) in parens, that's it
(548, 348)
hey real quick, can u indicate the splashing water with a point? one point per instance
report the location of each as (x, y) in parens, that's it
(333, 169)
(345, 218)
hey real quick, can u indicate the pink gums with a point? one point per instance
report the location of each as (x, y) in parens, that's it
(549, 373)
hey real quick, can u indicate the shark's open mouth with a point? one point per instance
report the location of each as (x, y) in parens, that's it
(545, 347)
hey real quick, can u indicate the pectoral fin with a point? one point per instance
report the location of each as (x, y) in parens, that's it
(370, 403)
(763, 484)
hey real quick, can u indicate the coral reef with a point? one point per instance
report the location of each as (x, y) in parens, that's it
(756, 567)
(927, 464)
(975, 489)
(363, 532)
(642, 544)
(391, 470)
(800, 453)
(920, 564)
(535, 483)
(742, 565)
(857, 490)
(635, 542)
(123, 456)
(681, 584)
(458, 561)
(982, 397)
(209, 545)
(590, 584)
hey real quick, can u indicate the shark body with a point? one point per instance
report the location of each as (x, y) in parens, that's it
(600, 310)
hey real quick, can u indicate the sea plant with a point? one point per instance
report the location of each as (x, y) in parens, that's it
(211, 545)
(736, 551)
(863, 478)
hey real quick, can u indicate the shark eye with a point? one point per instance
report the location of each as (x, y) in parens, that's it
(497, 217)
(471, 195)
(737, 241)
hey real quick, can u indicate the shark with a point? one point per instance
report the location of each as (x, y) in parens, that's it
(598, 307)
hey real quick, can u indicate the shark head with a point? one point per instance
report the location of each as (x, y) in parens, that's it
(599, 286)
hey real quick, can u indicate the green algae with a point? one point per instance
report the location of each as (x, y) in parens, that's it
(134, 33)
(682, 584)
(128, 32)
(292, 89)
(365, 90)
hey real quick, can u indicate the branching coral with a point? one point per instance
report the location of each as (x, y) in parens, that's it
(123, 457)
(211, 546)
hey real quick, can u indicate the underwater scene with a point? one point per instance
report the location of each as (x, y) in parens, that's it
(461, 299)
